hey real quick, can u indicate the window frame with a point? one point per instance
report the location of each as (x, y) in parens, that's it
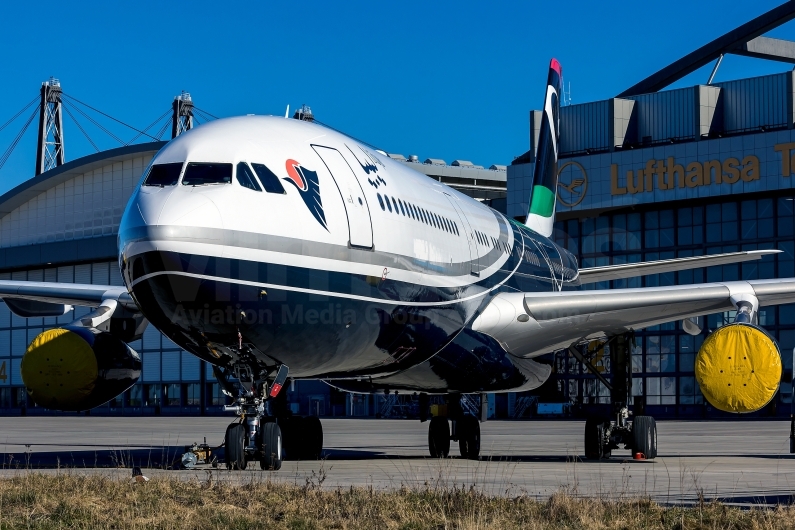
(188, 165)
(275, 179)
(152, 166)
(252, 177)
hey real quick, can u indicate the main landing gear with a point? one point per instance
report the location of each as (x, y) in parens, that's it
(465, 427)
(270, 439)
(603, 435)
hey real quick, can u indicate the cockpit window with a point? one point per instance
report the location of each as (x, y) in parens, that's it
(163, 174)
(200, 173)
(246, 177)
(268, 179)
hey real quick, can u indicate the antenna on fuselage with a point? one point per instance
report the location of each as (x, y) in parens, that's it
(287, 112)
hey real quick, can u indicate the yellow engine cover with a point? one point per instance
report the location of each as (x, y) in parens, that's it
(59, 369)
(738, 368)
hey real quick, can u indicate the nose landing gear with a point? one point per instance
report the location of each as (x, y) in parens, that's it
(260, 436)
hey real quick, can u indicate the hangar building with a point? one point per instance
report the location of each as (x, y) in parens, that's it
(646, 175)
(663, 174)
(62, 224)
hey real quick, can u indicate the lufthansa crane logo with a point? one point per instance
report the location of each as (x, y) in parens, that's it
(572, 192)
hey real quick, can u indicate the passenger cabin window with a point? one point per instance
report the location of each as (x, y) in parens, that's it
(163, 174)
(201, 173)
(269, 181)
(246, 178)
(402, 207)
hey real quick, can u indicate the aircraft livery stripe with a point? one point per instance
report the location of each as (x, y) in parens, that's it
(454, 297)
(373, 287)
(312, 249)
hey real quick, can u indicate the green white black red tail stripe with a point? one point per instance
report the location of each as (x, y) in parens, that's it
(541, 214)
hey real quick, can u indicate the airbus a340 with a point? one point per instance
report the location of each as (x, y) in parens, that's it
(277, 249)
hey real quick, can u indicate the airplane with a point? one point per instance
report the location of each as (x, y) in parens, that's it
(278, 249)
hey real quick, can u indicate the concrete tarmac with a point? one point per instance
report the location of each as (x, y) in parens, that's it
(734, 461)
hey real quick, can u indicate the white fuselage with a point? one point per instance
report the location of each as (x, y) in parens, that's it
(352, 229)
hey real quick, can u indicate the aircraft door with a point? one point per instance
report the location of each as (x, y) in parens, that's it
(468, 234)
(360, 226)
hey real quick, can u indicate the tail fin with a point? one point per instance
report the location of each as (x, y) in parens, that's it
(541, 215)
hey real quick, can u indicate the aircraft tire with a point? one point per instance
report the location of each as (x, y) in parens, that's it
(235, 443)
(439, 437)
(292, 437)
(312, 436)
(469, 437)
(594, 439)
(271, 448)
(644, 436)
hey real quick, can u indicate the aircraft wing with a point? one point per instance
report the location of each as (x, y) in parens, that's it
(51, 299)
(532, 324)
(632, 270)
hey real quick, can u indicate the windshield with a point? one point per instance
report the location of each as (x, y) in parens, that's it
(269, 180)
(246, 178)
(163, 175)
(199, 173)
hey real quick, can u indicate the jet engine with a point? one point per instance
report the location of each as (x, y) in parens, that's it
(739, 368)
(78, 368)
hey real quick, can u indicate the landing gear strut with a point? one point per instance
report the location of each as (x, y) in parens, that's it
(259, 436)
(603, 435)
(465, 428)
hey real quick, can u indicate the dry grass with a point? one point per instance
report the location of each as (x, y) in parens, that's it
(67, 500)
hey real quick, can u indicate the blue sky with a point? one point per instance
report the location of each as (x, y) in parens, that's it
(438, 79)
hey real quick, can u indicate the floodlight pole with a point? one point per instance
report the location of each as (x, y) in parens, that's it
(50, 151)
(182, 115)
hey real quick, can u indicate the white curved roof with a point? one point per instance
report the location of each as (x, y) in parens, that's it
(81, 199)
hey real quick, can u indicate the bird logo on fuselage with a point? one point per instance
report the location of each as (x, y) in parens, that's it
(308, 185)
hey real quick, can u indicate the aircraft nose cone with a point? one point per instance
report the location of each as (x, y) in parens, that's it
(191, 209)
(150, 203)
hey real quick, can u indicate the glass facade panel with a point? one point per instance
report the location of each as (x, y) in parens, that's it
(192, 395)
(663, 359)
(173, 395)
(153, 395)
(135, 396)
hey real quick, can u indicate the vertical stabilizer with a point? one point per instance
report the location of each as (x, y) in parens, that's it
(543, 195)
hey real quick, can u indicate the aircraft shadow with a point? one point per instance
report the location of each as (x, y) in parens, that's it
(361, 454)
(769, 499)
(168, 457)
(157, 456)
(616, 459)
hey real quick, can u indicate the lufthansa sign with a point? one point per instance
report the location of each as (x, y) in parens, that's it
(667, 174)
(571, 190)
